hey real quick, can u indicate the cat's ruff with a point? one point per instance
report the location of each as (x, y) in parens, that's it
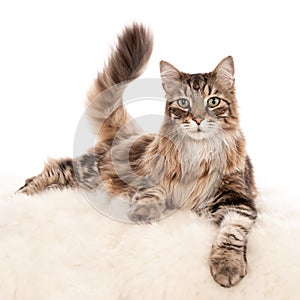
(56, 246)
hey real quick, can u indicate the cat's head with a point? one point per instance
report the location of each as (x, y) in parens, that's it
(203, 104)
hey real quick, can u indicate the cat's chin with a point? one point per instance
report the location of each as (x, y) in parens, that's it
(197, 135)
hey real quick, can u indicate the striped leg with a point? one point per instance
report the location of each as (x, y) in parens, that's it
(228, 262)
(64, 173)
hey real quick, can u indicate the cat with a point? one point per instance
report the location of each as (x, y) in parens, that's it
(196, 161)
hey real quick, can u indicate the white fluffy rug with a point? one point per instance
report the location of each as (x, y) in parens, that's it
(57, 246)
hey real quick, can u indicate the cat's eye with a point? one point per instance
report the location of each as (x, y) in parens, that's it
(213, 102)
(184, 103)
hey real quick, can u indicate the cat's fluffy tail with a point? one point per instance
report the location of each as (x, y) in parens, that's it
(126, 62)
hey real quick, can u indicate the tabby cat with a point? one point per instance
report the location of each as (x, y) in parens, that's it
(196, 161)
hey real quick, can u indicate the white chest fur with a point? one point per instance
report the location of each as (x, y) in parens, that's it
(202, 165)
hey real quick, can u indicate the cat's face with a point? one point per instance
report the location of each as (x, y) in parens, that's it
(201, 105)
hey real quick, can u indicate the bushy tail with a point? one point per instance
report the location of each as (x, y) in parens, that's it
(126, 62)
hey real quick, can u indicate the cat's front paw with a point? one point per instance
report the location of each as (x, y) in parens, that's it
(227, 266)
(144, 212)
(146, 206)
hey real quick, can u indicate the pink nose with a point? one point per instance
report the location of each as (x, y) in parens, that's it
(197, 120)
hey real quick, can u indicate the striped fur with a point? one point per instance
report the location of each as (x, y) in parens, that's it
(197, 161)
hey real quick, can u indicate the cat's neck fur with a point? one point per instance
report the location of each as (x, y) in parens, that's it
(189, 169)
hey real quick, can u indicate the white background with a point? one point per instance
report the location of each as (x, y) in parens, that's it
(50, 51)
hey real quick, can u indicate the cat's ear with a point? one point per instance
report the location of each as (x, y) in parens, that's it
(169, 75)
(225, 71)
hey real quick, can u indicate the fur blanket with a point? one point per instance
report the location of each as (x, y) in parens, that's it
(57, 246)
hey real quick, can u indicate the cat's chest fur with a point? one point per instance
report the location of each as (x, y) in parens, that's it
(202, 165)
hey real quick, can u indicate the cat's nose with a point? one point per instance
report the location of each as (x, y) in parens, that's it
(197, 119)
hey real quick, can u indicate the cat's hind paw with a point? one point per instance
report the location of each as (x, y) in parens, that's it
(27, 187)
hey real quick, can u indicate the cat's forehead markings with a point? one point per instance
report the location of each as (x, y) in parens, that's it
(195, 83)
(207, 90)
(196, 95)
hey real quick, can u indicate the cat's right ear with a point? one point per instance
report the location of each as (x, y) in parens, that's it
(169, 75)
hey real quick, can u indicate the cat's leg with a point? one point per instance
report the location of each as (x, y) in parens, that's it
(235, 216)
(64, 173)
(147, 204)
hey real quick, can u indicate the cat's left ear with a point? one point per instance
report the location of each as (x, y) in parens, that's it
(169, 75)
(225, 71)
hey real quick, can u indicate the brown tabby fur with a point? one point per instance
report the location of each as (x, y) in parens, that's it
(197, 160)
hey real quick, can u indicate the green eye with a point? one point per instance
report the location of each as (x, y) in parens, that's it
(213, 102)
(184, 103)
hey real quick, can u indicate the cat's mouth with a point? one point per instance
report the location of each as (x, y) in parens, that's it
(197, 133)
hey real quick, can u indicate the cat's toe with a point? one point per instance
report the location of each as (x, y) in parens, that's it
(227, 267)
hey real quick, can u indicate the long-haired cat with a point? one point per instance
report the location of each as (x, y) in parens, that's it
(196, 161)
